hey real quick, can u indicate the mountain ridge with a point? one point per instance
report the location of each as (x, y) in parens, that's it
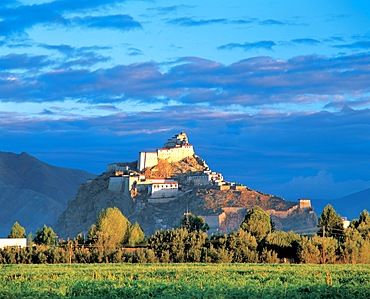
(349, 206)
(33, 192)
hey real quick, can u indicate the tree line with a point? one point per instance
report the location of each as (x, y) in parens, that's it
(114, 239)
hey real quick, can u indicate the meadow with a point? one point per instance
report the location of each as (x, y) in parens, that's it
(184, 281)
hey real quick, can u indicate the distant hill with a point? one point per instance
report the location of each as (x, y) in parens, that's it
(34, 193)
(204, 200)
(349, 206)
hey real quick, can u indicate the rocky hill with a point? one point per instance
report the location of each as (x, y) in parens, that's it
(221, 203)
(34, 193)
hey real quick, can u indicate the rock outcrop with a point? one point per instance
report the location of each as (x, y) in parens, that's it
(200, 191)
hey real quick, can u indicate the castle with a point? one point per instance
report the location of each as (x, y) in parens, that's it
(132, 180)
(174, 150)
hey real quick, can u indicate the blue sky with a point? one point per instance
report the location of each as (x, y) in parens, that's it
(273, 94)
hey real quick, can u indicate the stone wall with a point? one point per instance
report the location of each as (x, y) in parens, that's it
(214, 221)
(115, 183)
(282, 214)
(175, 154)
(147, 159)
(202, 179)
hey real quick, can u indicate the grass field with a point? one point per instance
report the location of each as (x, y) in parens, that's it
(184, 281)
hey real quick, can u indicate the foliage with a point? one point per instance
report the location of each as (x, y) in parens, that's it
(330, 224)
(243, 247)
(136, 235)
(110, 230)
(308, 252)
(285, 244)
(257, 222)
(191, 223)
(178, 245)
(45, 236)
(362, 225)
(17, 231)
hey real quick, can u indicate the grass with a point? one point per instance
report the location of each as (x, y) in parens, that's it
(184, 281)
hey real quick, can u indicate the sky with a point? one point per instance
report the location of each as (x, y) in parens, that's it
(275, 94)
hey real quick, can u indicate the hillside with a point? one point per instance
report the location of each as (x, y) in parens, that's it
(34, 193)
(221, 203)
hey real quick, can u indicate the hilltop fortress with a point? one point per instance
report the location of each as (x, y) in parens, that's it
(161, 185)
(174, 150)
(132, 180)
(143, 184)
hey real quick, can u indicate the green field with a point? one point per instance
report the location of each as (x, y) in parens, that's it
(184, 281)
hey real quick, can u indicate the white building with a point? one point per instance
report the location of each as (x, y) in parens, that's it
(345, 222)
(174, 150)
(13, 242)
(163, 188)
(206, 178)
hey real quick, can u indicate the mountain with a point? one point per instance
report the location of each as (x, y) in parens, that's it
(161, 186)
(34, 193)
(349, 206)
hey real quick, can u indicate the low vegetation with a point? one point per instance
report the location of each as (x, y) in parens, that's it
(185, 281)
(113, 239)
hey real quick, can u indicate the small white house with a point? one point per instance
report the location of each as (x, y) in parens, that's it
(13, 242)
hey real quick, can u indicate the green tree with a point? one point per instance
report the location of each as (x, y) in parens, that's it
(327, 247)
(330, 224)
(243, 246)
(136, 235)
(285, 244)
(362, 225)
(193, 223)
(308, 252)
(17, 231)
(257, 222)
(351, 246)
(45, 236)
(110, 230)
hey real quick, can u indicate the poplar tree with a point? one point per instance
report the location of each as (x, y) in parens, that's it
(17, 231)
(111, 230)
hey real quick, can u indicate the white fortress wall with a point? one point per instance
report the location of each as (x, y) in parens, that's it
(147, 159)
(175, 154)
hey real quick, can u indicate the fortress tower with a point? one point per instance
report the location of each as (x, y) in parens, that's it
(174, 150)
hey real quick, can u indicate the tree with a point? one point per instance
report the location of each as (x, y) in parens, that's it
(328, 247)
(257, 222)
(351, 246)
(330, 224)
(110, 230)
(362, 225)
(193, 223)
(285, 244)
(243, 246)
(17, 231)
(45, 236)
(308, 252)
(136, 235)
